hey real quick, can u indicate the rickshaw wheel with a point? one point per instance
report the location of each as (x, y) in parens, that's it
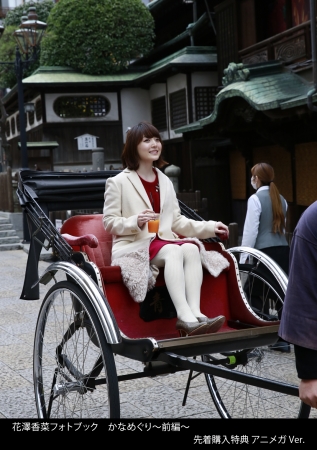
(262, 290)
(236, 400)
(233, 399)
(73, 367)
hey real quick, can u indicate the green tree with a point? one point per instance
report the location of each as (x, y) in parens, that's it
(43, 9)
(8, 43)
(97, 36)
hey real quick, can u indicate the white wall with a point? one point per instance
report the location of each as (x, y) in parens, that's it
(156, 91)
(54, 118)
(28, 126)
(176, 83)
(135, 106)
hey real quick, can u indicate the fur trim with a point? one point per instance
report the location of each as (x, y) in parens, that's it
(213, 261)
(140, 277)
(137, 274)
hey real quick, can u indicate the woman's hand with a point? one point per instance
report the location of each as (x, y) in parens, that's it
(222, 231)
(144, 217)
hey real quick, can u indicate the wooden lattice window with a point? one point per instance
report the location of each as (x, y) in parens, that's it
(178, 108)
(159, 117)
(81, 106)
(204, 101)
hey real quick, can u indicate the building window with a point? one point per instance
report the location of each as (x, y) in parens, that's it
(159, 118)
(178, 108)
(81, 106)
(204, 101)
(38, 110)
(13, 125)
(7, 128)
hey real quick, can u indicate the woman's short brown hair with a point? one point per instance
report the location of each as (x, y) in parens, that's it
(130, 156)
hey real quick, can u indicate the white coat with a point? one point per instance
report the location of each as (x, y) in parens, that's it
(125, 199)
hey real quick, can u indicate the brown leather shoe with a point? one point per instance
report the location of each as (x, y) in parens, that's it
(191, 328)
(214, 323)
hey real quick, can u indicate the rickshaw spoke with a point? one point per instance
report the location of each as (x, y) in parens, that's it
(70, 347)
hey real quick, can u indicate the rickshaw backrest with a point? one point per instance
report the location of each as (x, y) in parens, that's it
(91, 223)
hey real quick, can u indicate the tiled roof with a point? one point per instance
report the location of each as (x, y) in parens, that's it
(194, 57)
(279, 90)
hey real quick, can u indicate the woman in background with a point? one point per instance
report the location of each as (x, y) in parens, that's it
(264, 227)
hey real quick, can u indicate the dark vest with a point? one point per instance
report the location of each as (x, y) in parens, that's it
(266, 238)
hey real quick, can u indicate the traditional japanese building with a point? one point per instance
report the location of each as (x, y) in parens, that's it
(266, 101)
(229, 83)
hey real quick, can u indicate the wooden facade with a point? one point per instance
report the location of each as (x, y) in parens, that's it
(255, 36)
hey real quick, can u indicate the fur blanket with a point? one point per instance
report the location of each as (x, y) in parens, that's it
(139, 276)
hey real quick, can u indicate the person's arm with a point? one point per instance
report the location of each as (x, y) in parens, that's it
(306, 366)
(251, 225)
(113, 220)
(286, 204)
(186, 227)
(306, 362)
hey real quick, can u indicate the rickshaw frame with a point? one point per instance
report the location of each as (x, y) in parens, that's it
(42, 192)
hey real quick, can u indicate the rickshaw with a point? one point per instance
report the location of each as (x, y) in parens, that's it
(87, 315)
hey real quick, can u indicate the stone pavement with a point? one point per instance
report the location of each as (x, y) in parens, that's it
(159, 397)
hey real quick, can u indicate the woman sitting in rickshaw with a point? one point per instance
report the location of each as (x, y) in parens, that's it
(132, 199)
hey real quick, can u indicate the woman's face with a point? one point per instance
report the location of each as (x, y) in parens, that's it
(149, 149)
(254, 179)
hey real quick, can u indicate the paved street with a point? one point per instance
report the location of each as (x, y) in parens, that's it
(159, 397)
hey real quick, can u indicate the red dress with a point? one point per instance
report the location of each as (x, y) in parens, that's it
(153, 191)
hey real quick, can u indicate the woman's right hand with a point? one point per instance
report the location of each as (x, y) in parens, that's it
(144, 217)
(221, 231)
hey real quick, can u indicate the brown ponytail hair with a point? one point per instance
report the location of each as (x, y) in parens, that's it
(265, 174)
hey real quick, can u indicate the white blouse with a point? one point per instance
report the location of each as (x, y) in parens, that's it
(252, 222)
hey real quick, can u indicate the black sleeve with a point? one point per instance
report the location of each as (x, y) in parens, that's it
(306, 362)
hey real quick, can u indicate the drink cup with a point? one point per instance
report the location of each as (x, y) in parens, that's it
(153, 224)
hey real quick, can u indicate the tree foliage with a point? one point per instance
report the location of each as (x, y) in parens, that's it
(8, 43)
(97, 36)
(43, 9)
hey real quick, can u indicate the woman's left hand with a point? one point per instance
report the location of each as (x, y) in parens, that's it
(222, 231)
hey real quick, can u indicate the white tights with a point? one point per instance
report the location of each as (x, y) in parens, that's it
(183, 275)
